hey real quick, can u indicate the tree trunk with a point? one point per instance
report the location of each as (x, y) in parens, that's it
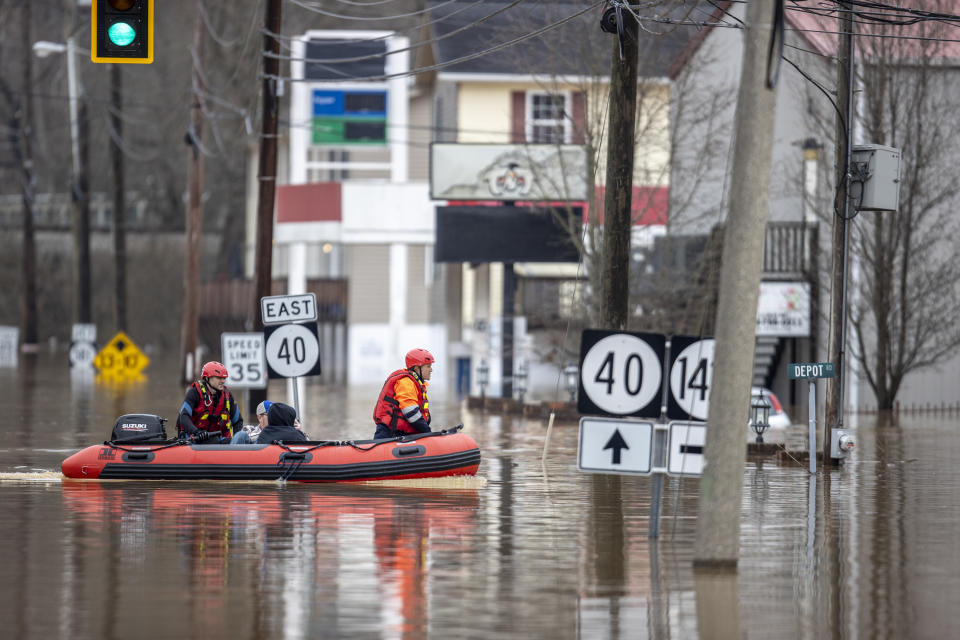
(28, 309)
(119, 200)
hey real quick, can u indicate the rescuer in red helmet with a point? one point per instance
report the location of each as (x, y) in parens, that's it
(209, 413)
(402, 407)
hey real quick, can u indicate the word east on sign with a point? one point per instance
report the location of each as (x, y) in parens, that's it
(290, 308)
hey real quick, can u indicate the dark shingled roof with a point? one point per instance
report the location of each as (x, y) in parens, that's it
(577, 47)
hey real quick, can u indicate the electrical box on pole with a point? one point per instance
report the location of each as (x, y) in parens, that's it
(877, 169)
(121, 31)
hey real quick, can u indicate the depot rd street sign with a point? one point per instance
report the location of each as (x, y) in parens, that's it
(283, 309)
(610, 445)
(802, 370)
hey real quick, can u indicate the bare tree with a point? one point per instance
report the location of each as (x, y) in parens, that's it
(20, 136)
(680, 139)
(906, 320)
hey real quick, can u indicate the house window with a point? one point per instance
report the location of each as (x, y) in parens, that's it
(548, 118)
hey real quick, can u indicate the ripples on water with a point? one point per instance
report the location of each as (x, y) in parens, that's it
(522, 550)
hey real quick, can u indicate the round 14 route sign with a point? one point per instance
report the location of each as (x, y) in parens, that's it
(690, 377)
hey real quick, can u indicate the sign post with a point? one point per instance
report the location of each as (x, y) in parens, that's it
(291, 340)
(243, 357)
(121, 358)
(643, 375)
(9, 343)
(83, 345)
(811, 371)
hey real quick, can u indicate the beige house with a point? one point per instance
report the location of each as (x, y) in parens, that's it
(374, 224)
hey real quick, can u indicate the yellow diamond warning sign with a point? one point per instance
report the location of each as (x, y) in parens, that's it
(120, 357)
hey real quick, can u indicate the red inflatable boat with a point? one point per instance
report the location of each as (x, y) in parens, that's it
(152, 457)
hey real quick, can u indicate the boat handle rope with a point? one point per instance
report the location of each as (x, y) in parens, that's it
(351, 443)
(289, 464)
(175, 442)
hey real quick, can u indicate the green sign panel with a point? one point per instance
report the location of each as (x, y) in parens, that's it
(339, 131)
(803, 370)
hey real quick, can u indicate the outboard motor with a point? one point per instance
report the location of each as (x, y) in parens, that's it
(139, 428)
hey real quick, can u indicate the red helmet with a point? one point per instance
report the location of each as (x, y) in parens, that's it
(213, 370)
(418, 358)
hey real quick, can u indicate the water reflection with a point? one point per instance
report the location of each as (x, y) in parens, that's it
(285, 560)
(538, 550)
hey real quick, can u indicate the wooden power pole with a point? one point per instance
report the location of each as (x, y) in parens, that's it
(721, 488)
(617, 200)
(844, 133)
(194, 228)
(267, 173)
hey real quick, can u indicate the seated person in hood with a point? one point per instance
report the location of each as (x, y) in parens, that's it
(280, 421)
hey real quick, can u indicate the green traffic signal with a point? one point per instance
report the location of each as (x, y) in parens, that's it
(121, 34)
(121, 31)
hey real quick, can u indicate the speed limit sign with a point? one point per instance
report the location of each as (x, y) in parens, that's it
(620, 373)
(293, 350)
(243, 358)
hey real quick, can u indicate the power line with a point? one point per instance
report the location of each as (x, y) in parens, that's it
(417, 45)
(471, 56)
(369, 18)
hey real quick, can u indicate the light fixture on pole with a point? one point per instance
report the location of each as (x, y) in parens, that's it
(571, 373)
(521, 379)
(760, 415)
(42, 49)
(80, 189)
(483, 377)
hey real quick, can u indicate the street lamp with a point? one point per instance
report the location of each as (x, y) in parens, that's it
(80, 197)
(760, 415)
(571, 373)
(521, 379)
(42, 49)
(483, 377)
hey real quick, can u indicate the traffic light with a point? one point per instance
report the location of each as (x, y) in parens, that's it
(121, 31)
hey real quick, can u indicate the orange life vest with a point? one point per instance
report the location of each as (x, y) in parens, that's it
(208, 417)
(387, 410)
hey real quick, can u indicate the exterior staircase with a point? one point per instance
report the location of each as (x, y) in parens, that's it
(765, 359)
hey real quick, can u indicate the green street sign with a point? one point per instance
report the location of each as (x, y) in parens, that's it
(804, 370)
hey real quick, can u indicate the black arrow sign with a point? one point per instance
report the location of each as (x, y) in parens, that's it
(617, 443)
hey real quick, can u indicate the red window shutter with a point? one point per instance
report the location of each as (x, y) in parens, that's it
(518, 116)
(579, 118)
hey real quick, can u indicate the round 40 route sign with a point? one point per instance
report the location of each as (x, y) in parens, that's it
(292, 350)
(621, 373)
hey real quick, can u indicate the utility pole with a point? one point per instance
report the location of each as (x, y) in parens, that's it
(509, 309)
(836, 343)
(718, 525)
(607, 490)
(617, 200)
(24, 147)
(119, 200)
(194, 226)
(267, 172)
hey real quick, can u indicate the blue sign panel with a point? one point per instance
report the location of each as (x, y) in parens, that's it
(327, 103)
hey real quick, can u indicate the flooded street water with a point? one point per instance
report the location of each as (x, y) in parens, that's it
(524, 550)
